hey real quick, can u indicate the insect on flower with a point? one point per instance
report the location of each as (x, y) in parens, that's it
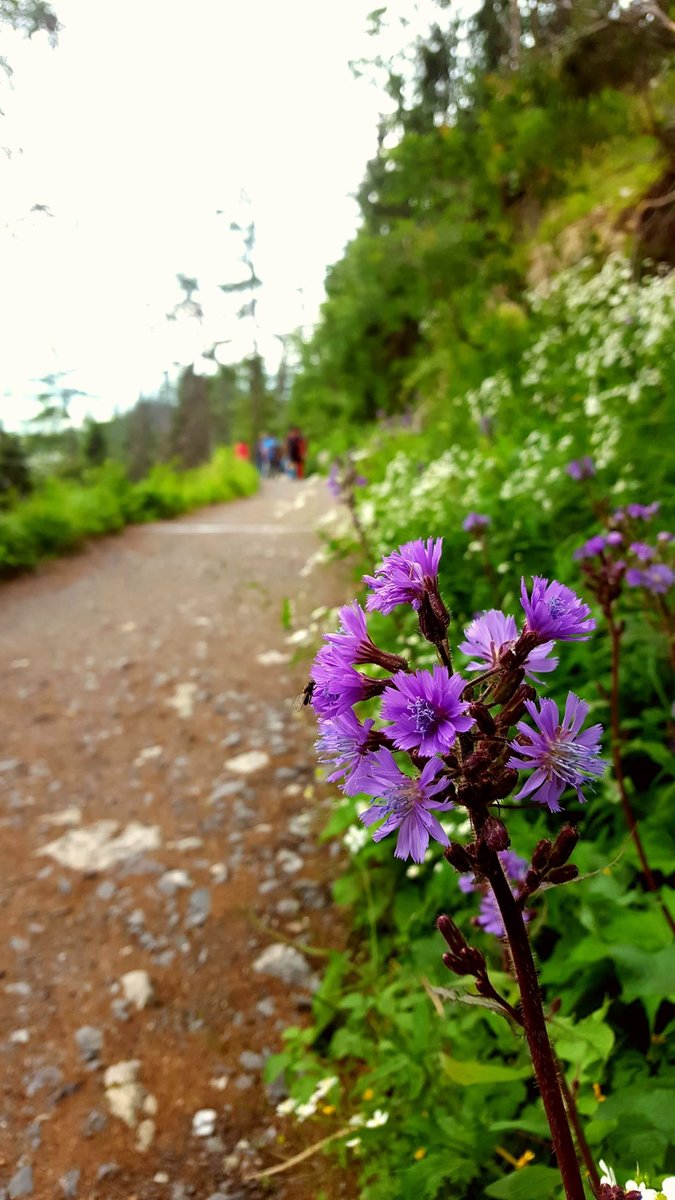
(304, 699)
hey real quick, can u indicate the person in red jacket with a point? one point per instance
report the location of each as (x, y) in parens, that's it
(296, 452)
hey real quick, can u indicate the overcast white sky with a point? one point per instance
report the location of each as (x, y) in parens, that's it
(148, 117)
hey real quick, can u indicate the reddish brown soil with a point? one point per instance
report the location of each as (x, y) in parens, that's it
(92, 649)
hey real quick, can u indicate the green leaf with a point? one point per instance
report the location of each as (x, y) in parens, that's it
(530, 1183)
(467, 1072)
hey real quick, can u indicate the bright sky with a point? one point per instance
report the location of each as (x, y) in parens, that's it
(148, 117)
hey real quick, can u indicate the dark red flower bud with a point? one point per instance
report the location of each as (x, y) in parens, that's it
(507, 685)
(564, 874)
(514, 709)
(541, 855)
(458, 856)
(483, 718)
(564, 845)
(495, 834)
(503, 783)
(433, 617)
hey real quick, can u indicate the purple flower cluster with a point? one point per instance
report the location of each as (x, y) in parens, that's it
(430, 714)
(581, 468)
(619, 555)
(475, 522)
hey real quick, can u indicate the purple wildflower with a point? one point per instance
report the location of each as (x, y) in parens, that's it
(657, 578)
(426, 710)
(405, 802)
(475, 522)
(554, 611)
(560, 754)
(405, 575)
(352, 642)
(643, 551)
(344, 744)
(337, 686)
(492, 634)
(489, 917)
(614, 538)
(581, 468)
(591, 548)
(637, 512)
(333, 482)
(360, 481)
(664, 536)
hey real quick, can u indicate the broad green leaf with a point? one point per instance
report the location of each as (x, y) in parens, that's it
(466, 1073)
(530, 1183)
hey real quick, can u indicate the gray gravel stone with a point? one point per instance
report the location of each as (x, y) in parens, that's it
(199, 907)
(21, 1183)
(287, 964)
(94, 1122)
(69, 1183)
(251, 1061)
(90, 1042)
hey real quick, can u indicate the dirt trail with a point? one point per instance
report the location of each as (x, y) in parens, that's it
(131, 681)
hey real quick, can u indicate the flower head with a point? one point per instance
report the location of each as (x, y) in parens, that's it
(643, 551)
(344, 743)
(352, 642)
(475, 522)
(426, 710)
(492, 634)
(405, 575)
(555, 611)
(405, 802)
(637, 512)
(590, 549)
(581, 468)
(557, 753)
(658, 578)
(337, 686)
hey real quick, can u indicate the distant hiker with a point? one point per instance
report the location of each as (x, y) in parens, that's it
(296, 451)
(241, 450)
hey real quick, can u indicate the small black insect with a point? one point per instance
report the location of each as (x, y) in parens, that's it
(305, 696)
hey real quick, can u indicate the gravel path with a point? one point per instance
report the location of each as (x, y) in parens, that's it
(158, 833)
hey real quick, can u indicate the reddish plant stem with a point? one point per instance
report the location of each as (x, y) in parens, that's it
(580, 1136)
(631, 820)
(534, 1021)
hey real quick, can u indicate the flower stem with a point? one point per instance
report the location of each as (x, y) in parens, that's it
(534, 1022)
(582, 1144)
(631, 820)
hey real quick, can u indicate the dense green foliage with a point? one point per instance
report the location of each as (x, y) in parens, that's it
(489, 323)
(61, 514)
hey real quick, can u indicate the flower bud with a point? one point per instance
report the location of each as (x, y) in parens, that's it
(433, 617)
(503, 783)
(483, 718)
(541, 855)
(564, 874)
(495, 834)
(564, 845)
(507, 685)
(459, 858)
(515, 708)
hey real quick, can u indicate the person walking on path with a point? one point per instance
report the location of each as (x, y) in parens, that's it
(296, 450)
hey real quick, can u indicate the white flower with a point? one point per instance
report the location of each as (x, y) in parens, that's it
(304, 1111)
(646, 1192)
(353, 1143)
(378, 1118)
(286, 1107)
(357, 1120)
(324, 1086)
(608, 1175)
(355, 838)
(668, 1187)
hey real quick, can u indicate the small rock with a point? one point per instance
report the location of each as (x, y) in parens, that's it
(145, 1135)
(20, 1037)
(289, 862)
(204, 1122)
(106, 890)
(171, 881)
(160, 1177)
(69, 1183)
(251, 1061)
(106, 1171)
(244, 1082)
(21, 1183)
(287, 907)
(219, 872)
(199, 907)
(94, 1122)
(266, 1007)
(137, 988)
(123, 1092)
(19, 945)
(287, 964)
(246, 764)
(90, 1042)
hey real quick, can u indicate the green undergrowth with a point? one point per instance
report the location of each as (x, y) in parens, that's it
(63, 514)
